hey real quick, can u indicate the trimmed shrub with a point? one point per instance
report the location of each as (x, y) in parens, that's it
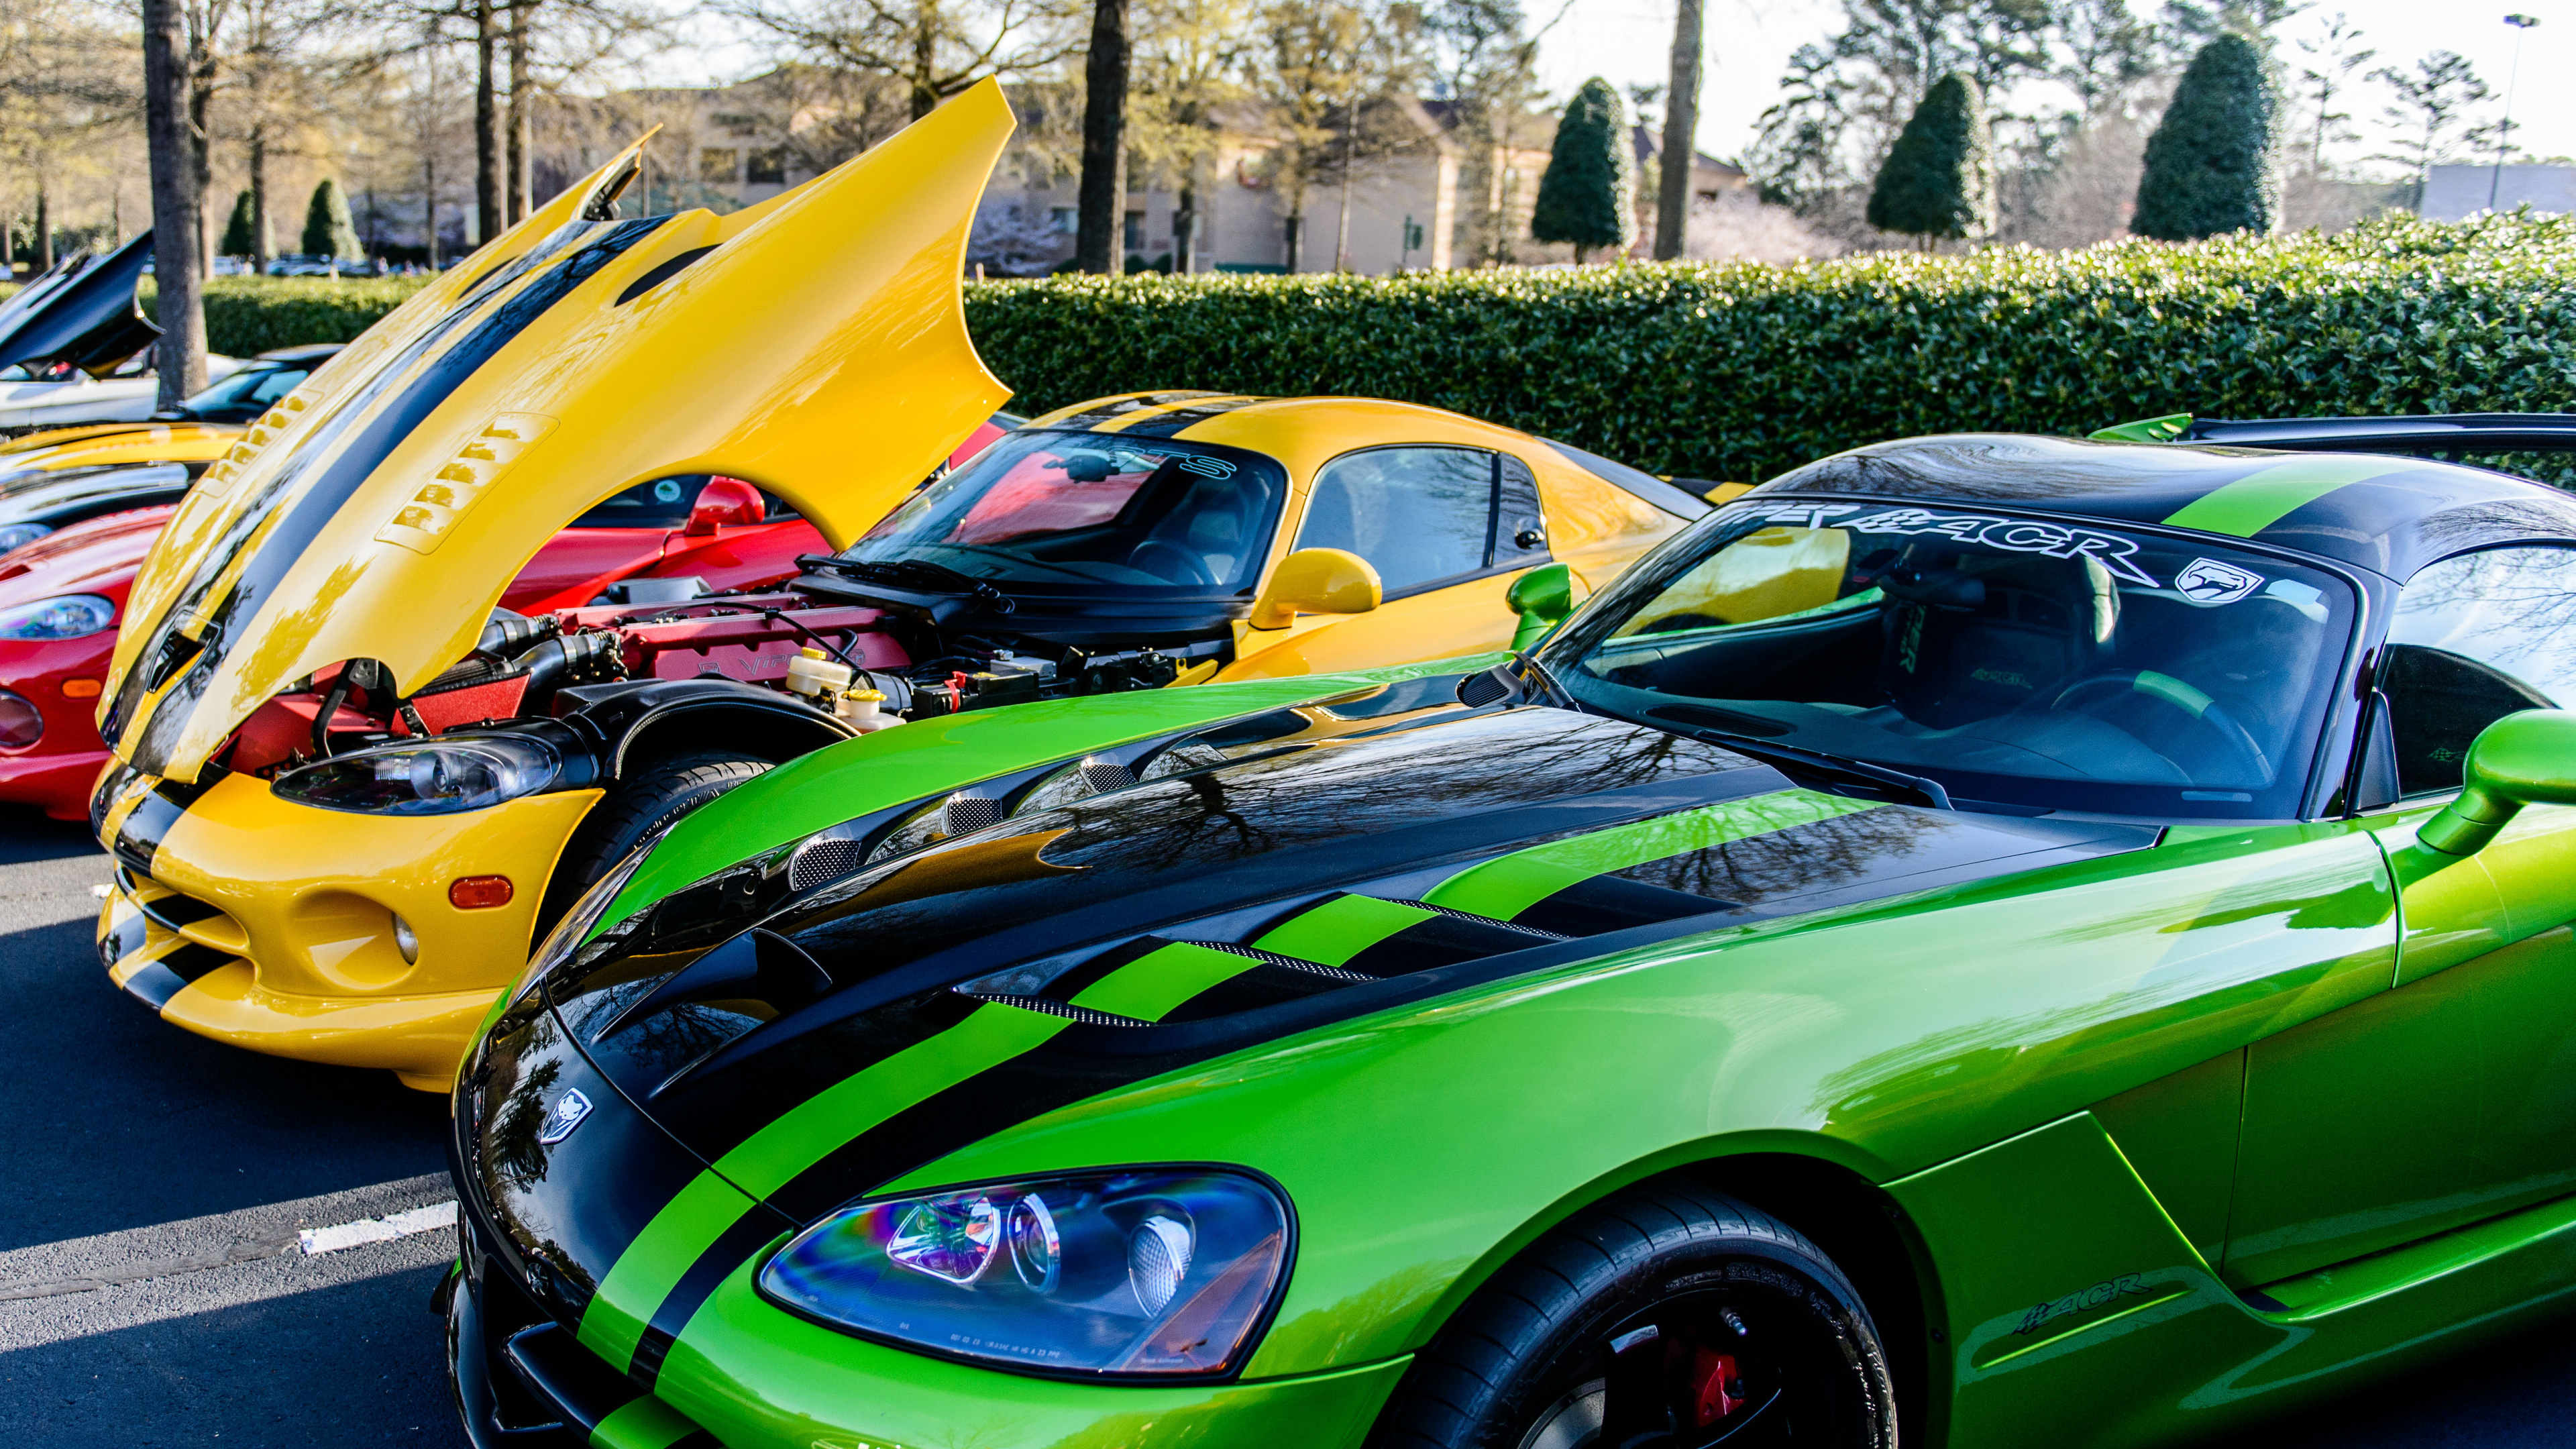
(1743, 370)
(245, 315)
(238, 241)
(329, 231)
(1939, 179)
(1588, 195)
(2214, 163)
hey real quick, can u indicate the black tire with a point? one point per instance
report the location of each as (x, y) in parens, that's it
(1694, 1285)
(635, 807)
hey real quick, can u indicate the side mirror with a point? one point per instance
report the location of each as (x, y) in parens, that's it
(1544, 598)
(1317, 581)
(2521, 759)
(724, 501)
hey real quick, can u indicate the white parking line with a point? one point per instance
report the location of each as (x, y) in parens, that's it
(433, 1218)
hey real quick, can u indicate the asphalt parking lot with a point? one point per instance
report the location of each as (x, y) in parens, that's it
(154, 1288)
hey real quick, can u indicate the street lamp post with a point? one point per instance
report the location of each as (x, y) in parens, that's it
(2504, 128)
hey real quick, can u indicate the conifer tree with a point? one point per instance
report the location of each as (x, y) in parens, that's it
(2213, 164)
(237, 237)
(1938, 181)
(1588, 195)
(329, 231)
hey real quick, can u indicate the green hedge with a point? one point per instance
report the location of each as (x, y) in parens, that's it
(1739, 371)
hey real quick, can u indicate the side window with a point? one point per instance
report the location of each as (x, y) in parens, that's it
(2474, 638)
(1418, 515)
(1520, 523)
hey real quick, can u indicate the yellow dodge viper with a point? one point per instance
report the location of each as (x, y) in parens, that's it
(348, 789)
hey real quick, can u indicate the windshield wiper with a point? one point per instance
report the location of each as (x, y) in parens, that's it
(918, 575)
(1820, 761)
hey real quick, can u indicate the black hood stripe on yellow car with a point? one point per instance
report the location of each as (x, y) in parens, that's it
(1418, 851)
(167, 652)
(1165, 425)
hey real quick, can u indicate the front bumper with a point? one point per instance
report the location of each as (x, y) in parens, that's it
(269, 925)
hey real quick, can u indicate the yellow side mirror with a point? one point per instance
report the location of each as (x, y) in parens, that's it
(1317, 581)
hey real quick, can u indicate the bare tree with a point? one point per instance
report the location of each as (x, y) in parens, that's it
(2327, 76)
(2432, 100)
(937, 48)
(1681, 134)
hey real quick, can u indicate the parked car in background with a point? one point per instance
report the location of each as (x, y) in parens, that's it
(62, 475)
(75, 346)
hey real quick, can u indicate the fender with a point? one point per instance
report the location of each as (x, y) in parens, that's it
(636, 720)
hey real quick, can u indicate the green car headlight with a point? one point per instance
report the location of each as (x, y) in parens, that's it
(1143, 1272)
(444, 776)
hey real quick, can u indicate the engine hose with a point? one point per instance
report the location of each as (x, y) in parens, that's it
(331, 702)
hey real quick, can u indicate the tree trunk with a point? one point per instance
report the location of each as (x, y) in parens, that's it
(1185, 228)
(1296, 228)
(1681, 127)
(260, 248)
(429, 209)
(199, 78)
(8, 246)
(181, 351)
(44, 226)
(925, 59)
(1342, 228)
(520, 128)
(1104, 141)
(487, 128)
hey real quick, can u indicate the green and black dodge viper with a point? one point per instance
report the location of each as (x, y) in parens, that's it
(1983, 940)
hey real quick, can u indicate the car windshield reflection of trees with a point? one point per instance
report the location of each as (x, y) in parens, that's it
(1086, 511)
(2132, 660)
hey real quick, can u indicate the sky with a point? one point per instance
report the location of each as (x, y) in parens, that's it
(1629, 42)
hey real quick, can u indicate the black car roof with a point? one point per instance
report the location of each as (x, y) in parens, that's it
(309, 352)
(2391, 514)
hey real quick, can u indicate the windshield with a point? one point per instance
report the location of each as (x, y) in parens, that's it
(247, 393)
(1064, 510)
(2015, 661)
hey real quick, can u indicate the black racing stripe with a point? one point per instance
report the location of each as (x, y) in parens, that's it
(192, 962)
(699, 1439)
(139, 838)
(154, 985)
(756, 1230)
(1173, 422)
(347, 472)
(1439, 941)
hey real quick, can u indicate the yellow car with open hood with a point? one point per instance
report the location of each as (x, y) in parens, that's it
(347, 789)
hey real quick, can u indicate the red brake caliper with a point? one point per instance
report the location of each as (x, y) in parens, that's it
(1717, 1390)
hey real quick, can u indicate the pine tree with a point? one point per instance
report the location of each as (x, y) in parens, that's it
(1939, 178)
(2213, 164)
(328, 229)
(1588, 196)
(237, 238)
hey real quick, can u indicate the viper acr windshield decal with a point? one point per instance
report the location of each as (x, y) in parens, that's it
(2013, 535)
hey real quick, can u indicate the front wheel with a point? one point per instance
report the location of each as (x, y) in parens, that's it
(634, 808)
(1667, 1317)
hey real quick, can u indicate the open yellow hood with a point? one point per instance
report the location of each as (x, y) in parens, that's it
(814, 344)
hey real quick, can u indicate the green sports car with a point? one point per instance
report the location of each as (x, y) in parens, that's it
(1984, 940)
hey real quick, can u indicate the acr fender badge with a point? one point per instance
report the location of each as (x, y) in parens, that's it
(565, 1115)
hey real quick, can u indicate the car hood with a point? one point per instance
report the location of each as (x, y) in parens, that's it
(83, 312)
(95, 557)
(82, 478)
(1301, 867)
(115, 442)
(368, 517)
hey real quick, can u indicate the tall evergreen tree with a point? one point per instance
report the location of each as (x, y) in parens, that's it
(2213, 164)
(1588, 195)
(1938, 181)
(329, 231)
(237, 232)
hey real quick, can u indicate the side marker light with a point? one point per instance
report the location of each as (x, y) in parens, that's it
(479, 892)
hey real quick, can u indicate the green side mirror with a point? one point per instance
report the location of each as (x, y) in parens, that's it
(1543, 598)
(2521, 759)
(2145, 430)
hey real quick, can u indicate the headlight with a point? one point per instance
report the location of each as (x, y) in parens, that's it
(21, 724)
(434, 777)
(1143, 1271)
(19, 535)
(73, 616)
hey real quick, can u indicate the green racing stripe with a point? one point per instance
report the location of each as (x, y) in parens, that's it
(1147, 989)
(2265, 496)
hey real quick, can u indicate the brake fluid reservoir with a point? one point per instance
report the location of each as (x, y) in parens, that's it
(863, 710)
(811, 672)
